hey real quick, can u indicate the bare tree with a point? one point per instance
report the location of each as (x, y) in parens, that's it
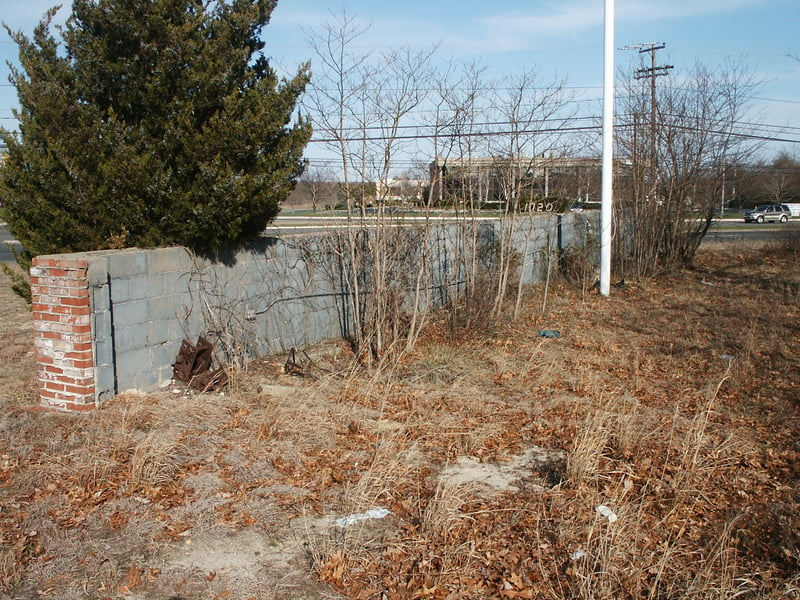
(360, 102)
(783, 178)
(489, 142)
(333, 99)
(533, 115)
(318, 186)
(673, 192)
(399, 90)
(338, 87)
(460, 91)
(779, 187)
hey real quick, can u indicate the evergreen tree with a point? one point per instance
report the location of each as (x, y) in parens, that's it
(150, 123)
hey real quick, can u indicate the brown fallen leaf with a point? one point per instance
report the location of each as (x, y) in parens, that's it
(132, 579)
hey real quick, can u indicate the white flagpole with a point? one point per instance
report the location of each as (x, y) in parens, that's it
(608, 151)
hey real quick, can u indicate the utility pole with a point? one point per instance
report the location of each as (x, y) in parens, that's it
(652, 73)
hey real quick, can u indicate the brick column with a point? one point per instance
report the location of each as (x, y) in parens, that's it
(62, 319)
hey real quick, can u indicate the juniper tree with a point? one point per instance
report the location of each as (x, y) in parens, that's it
(150, 122)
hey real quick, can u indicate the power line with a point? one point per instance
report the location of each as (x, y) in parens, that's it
(441, 126)
(385, 138)
(761, 131)
(589, 128)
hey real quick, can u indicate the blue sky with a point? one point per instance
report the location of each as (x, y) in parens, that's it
(557, 37)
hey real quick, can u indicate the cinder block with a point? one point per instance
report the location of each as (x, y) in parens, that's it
(128, 338)
(104, 380)
(101, 326)
(167, 282)
(119, 290)
(128, 263)
(166, 260)
(135, 370)
(143, 287)
(103, 352)
(100, 302)
(130, 313)
(162, 356)
(159, 332)
(161, 308)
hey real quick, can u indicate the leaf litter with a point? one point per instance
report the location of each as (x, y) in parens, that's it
(492, 477)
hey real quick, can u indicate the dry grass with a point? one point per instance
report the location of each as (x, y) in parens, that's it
(674, 402)
(17, 369)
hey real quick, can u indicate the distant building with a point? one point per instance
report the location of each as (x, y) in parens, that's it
(402, 190)
(487, 182)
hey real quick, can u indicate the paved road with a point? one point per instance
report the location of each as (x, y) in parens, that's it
(6, 241)
(726, 231)
(729, 230)
(736, 231)
(291, 224)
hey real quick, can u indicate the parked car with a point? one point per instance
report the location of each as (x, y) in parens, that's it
(768, 212)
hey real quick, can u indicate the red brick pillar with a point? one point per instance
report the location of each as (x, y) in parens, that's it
(62, 318)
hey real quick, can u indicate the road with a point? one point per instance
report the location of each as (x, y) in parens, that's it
(6, 242)
(723, 231)
(289, 224)
(728, 230)
(737, 231)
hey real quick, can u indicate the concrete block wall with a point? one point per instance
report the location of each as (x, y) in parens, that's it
(108, 322)
(137, 303)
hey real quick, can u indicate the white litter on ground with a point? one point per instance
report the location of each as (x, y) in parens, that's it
(372, 513)
(609, 514)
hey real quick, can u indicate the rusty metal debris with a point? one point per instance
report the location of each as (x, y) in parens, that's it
(193, 366)
(300, 364)
(292, 366)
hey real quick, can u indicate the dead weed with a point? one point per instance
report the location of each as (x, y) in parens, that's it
(669, 413)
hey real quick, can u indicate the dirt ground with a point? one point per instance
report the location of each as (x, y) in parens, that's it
(647, 450)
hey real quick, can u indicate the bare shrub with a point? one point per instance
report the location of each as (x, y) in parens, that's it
(472, 313)
(579, 267)
(787, 243)
(677, 172)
